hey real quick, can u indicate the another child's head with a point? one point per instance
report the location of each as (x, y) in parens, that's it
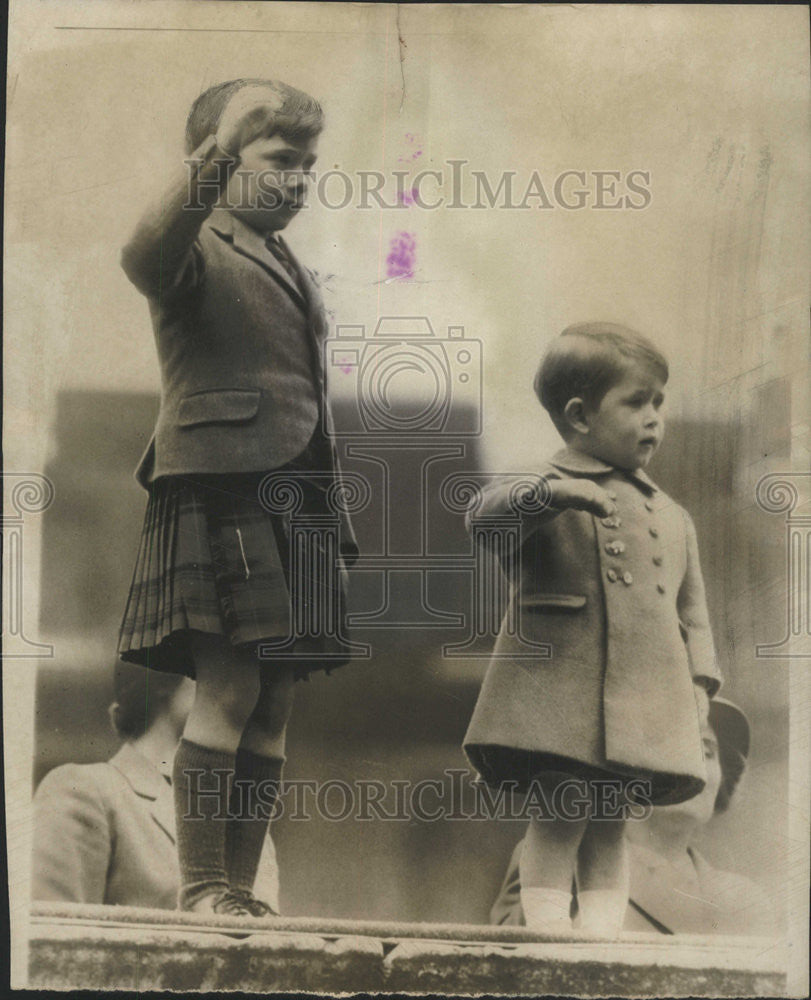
(145, 697)
(275, 130)
(602, 384)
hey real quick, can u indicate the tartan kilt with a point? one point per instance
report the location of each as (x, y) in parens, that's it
(213, 559)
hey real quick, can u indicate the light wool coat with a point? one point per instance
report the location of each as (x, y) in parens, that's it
(105, 833)
(621, 602)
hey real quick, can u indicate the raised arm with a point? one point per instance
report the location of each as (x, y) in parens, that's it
(161, 255)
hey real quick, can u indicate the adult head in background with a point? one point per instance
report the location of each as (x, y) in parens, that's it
(105, 832)
(673, 888)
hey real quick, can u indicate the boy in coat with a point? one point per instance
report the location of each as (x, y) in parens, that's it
(608, 576)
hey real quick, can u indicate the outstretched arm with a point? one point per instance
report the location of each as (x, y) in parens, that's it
(539, 499)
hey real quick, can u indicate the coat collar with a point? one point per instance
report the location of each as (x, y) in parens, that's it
(580, 464)
(147, 783)
(252, 244)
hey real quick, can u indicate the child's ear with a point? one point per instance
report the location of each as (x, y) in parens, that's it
(574, 414)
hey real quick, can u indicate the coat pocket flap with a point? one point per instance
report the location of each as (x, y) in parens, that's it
(219, 406)
(553, 602)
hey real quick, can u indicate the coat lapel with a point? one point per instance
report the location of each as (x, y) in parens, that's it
(148, 783)
(252, 244)
(579, 464)
(674, 901)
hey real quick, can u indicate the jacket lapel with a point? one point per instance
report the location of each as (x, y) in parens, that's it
(148, 783)
(249, 243)
(315, 305)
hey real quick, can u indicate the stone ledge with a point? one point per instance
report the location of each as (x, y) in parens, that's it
(104, 947)
(565, 969)
(102, 958)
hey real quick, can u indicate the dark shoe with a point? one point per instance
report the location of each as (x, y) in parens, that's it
(231, 904)
(254, 906)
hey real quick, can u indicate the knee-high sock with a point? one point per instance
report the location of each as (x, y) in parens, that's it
(201, 780)
(253, 797)
(546, 910)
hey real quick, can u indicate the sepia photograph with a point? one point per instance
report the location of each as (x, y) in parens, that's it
(407, 498)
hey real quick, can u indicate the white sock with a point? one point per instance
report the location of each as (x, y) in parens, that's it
(602, 911)
(546, 910)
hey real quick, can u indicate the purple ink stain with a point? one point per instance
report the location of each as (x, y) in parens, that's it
(402, 257)
(408, 197)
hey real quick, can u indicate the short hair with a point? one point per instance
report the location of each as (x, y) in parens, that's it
(299, 117)
(141, 696)
(586, 360)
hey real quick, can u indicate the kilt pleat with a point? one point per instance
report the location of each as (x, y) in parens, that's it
(213, 559)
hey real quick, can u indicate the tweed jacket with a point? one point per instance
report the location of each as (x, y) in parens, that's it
(239, 344)
(239, 347)
(105, 833)
(620, 601)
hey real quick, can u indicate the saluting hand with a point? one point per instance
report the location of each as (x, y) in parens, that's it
(250, 114)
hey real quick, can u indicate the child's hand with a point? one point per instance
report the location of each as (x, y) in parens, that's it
(581, 494)
(249, 114)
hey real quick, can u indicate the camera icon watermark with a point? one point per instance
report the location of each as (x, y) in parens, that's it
(403, 379)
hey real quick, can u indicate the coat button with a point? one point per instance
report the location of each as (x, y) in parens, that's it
(612, 575)
(615, 548)
(660, 587)
(611, 522)
(648, 505)
(654, 532)
(657, 560)
(627, 579)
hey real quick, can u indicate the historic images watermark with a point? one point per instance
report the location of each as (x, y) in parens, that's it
(779, 493)
(411, 400)
(453, 185)
(24, 494)
(452, 797)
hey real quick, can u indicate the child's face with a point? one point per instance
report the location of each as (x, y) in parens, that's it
(627, 427)
(270, 185)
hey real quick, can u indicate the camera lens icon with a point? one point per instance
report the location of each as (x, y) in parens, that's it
(402, 389)
(404, 380)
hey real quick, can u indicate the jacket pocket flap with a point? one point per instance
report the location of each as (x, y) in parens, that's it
(553, 602)
(219, 406)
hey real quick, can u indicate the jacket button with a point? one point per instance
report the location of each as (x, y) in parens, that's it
(654, 532)
(611, 522)
(615, 548)
(657, 560)
(627, 579)
(648, 505)
(660, 587)
(612, 575)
